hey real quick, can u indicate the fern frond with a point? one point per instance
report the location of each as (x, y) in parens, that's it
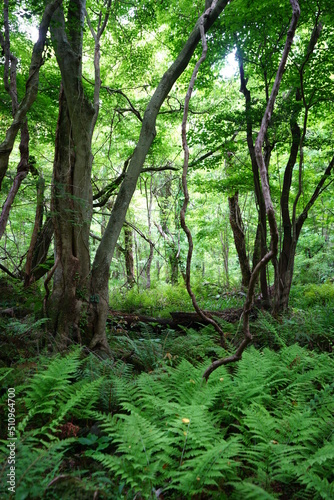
(250, 491)
(142, 450)
(214, 466)
(46, 385)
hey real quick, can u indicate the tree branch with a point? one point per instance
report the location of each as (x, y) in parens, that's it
(267, 198)
(184, 226)
(3, 268)
(6, 146)
(108, 190)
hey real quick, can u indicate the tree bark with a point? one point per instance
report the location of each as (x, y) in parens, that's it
(239, 238)
(71, 223)
(72, 306)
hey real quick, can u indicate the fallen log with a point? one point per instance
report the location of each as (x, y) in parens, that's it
(178, 319)
(192, 319)
(133, 319)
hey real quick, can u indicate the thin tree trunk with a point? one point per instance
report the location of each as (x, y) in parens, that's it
(149, 202)
(174, 266)
(29, 277)
(185, 186)
(40, 263)
(128, 255)
(7, 145)
(225, 251)
(292, 226)
(22, 172)
(148, 267)
(262, 223)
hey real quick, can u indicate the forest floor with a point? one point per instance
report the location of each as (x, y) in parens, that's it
(143, 424)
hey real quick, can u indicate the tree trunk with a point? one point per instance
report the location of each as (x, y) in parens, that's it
(40, 264)
(22, 172)
(286, 259)
(149, 202)
(239, 238)
(128, 256)
(71, 206)
(158, 270)
(225, 251)
(29, 277)
(104, 254)
(293, 225)
(7, 145)
(174, 266)
(262, 223)
(271, 255)
(148, 267)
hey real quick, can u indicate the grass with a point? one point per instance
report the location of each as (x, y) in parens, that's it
(163, 298)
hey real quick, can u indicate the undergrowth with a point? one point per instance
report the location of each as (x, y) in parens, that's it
(163, 298)
(142, 424)
(260, 429)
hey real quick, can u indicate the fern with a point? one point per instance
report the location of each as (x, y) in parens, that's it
(260, 429)
(50, 399)
(258, 420)
(142, 450)
(47, 385)
(250, 491)
(36, 466)
(175, 438)
(317, 472)
(52, 394)
(213, 467)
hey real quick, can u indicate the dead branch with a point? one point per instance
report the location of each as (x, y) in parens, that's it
(267, 198)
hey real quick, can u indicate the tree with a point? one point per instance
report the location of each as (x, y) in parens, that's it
(292, 224)
(257, 38)
(78, 305)
(110, 132)
(270, 211)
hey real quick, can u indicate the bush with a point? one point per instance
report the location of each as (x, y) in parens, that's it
(159, 300)
(305, 296)
(314, 260)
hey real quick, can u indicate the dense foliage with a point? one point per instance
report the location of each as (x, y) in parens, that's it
(150, 427)
(156, 158)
